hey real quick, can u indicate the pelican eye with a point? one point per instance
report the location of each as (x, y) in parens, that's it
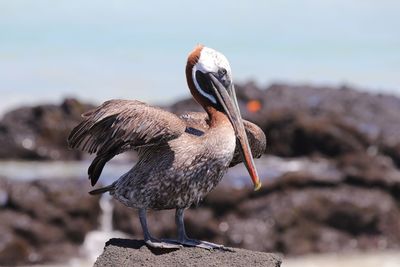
(223, 77)
(221, 72)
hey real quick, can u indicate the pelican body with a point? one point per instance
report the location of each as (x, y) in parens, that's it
(181, 159)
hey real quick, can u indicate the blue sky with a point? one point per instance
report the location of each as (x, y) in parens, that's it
(98, 50)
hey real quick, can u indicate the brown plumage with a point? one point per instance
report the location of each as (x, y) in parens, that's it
(119, 125)
(181, 159)
(257, 140)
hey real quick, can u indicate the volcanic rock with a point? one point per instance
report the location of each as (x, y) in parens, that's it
(123, 252)
(40, 132)
(326, 219)
(44, 220)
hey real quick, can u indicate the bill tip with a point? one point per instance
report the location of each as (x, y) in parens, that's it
(257, 186)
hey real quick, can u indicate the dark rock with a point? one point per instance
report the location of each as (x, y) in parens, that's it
(308, 124)
(45, 220)
(319, 219)
(224, 198)
(375, 170)
(392, 150)
(123, 252)
(40, 132)
(13, 249)
(307, 135)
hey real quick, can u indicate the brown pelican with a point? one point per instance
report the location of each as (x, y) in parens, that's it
(181, 159)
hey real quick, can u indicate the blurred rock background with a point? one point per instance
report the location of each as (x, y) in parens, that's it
(330, 173)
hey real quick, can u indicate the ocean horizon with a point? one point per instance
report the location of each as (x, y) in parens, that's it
(99, 50)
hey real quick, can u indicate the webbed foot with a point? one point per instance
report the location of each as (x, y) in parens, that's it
(200, 244)
(155, 243)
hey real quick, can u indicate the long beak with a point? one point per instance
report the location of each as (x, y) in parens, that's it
(227, 98)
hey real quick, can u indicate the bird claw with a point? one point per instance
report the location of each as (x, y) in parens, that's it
(201, 244)
(154, 243)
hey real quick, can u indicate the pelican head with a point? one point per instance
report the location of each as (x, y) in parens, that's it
(209, 78)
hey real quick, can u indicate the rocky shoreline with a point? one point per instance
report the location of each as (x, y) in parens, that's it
(331, 183)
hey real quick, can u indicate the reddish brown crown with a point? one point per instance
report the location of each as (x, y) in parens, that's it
(192, 60)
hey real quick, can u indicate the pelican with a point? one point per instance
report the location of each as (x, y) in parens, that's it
(180, 159)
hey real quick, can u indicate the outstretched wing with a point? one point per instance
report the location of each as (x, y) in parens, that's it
(255, 135)
(119, 125)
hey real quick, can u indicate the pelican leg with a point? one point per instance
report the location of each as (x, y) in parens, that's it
(184, 240)
(151, 241)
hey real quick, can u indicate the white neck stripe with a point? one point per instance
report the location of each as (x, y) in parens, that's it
(208, 96)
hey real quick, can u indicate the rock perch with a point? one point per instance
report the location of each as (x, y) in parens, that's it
(125, 252)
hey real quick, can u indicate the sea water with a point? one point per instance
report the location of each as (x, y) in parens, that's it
(97, 50)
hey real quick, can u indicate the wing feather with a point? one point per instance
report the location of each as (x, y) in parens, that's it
(124, 121)
(119, 125)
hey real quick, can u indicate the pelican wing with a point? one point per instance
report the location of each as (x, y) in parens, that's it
(119, 125)
(256, 137)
